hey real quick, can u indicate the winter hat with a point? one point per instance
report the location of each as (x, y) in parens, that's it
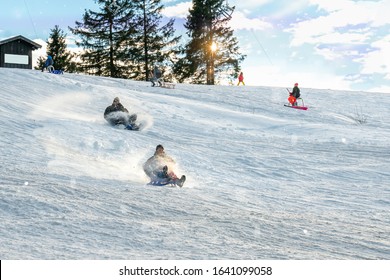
(116, 99)
(296, 84)
(159, 146)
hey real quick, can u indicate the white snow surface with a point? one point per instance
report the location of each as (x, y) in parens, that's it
(263, 181)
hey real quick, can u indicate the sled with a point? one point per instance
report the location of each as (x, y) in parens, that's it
(57, 72)
(168, 85)
(168, 182)
(133, 126)
(292, 100)
(51, 70)
(296, 107)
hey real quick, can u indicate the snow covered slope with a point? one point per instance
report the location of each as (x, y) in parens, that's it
(264, 181)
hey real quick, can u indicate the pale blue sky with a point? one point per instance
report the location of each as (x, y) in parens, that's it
(339, 44)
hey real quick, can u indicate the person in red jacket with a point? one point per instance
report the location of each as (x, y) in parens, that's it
(241, 79)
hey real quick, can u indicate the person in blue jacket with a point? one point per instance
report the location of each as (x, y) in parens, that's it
(49, 62)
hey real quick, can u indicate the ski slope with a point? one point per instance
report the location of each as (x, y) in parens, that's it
(263, 181)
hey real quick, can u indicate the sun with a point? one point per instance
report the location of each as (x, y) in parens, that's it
(213, 47)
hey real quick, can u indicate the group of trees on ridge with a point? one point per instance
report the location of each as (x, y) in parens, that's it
(126, 39)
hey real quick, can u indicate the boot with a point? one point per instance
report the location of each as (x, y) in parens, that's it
(165, 171)
(181, 181)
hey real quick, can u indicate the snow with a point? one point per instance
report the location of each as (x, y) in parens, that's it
(263, 181)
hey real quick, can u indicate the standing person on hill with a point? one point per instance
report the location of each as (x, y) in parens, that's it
(241, 79)
(156, 76)
(159, 169)
(48, 64)
(296, 93)
(116, 114)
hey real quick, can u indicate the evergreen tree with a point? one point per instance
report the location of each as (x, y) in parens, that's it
(40, 62)
(156, 45)
(106, 36)
(125, 39)
(57, 48)
(207, 28)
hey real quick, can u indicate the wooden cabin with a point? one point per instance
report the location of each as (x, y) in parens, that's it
(16, 52)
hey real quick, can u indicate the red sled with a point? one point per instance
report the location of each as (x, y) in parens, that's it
(296, 107)
(292, 100)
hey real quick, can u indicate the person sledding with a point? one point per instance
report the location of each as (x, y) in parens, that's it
(296, 93)
(293, 98)
(159, 169)
(117, 114)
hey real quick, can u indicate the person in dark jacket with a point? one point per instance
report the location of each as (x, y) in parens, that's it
(296, 93)
(48, 64)
(156, 76)
(116, 114)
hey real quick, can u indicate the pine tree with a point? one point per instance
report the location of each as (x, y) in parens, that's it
(156, 43)
(57, 48)
(40, 62)
(125, 39)
(212, 49)
(105, 37)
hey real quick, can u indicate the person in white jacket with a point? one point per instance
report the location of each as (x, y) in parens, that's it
(160, 167)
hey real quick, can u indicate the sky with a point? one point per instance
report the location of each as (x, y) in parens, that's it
(321, 44)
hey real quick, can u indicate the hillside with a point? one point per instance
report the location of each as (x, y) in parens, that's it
(264, 181)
